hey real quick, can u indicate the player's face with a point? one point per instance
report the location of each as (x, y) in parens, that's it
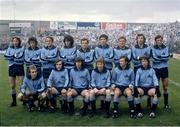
(122, 62)
(103, 40)
(49, 42)
(84, 44)
(33, 44)
(140, 40)
(144, 63)
(59, 65)
(33, 73)
(100, 66)
(15, 42)
(67, 43)
(78, 65)
(122, 43)
(159, 41)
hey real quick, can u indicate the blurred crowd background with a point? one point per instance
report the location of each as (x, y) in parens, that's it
(90, 30)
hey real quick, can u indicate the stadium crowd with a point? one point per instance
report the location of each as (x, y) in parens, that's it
(170, 32)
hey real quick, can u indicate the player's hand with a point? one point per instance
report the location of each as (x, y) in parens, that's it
(69, 89)
(131, 86)
(113, 86)
(63, 91)
(102, 91)
(96, 90)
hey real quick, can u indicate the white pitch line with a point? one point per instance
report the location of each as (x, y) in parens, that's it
(175, 83)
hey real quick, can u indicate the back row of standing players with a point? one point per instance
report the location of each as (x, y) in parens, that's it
(45, 58)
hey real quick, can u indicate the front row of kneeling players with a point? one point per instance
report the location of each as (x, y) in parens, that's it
(79, 82)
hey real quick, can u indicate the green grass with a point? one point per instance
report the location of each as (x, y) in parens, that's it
(19, 115)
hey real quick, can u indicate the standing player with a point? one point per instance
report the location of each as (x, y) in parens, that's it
(105, 51)
(57, 84)
(146, 83)
(86, 54)
(79, 85)
(139, 50)
(35, 85)
(160, 57)
(122, 84)
(32, 55)
(100, 84)
(49, 54)
(121, 50)
(15, 55)
(68, 52)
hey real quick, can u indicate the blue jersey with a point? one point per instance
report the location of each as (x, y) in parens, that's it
(106, 52)
(87, 56)
(160, 56)
(36, 85)
(123, 77)
(138, 52)
(32, 56)
(100, 79)
(58, 78)
(146, 78)
(15, 55)
(68, 56)
(79, 78)
(49, 56)
(118, 52)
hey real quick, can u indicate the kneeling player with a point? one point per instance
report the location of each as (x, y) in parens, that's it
(123, 82)
(79, 83)
(57, 84)
(100, 83)
(35, 84)
(146, 83)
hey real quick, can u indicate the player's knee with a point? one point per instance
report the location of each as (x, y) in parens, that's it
(54, 91)
(69, 94)
(63, 91)
(117, 93)
(28, 93)
(91, 92)
(49, 90)
(151, 92)
(108, 91)
(86, 94)
(20, 96)
(128, 92)
(43, 95)
(140, 91)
